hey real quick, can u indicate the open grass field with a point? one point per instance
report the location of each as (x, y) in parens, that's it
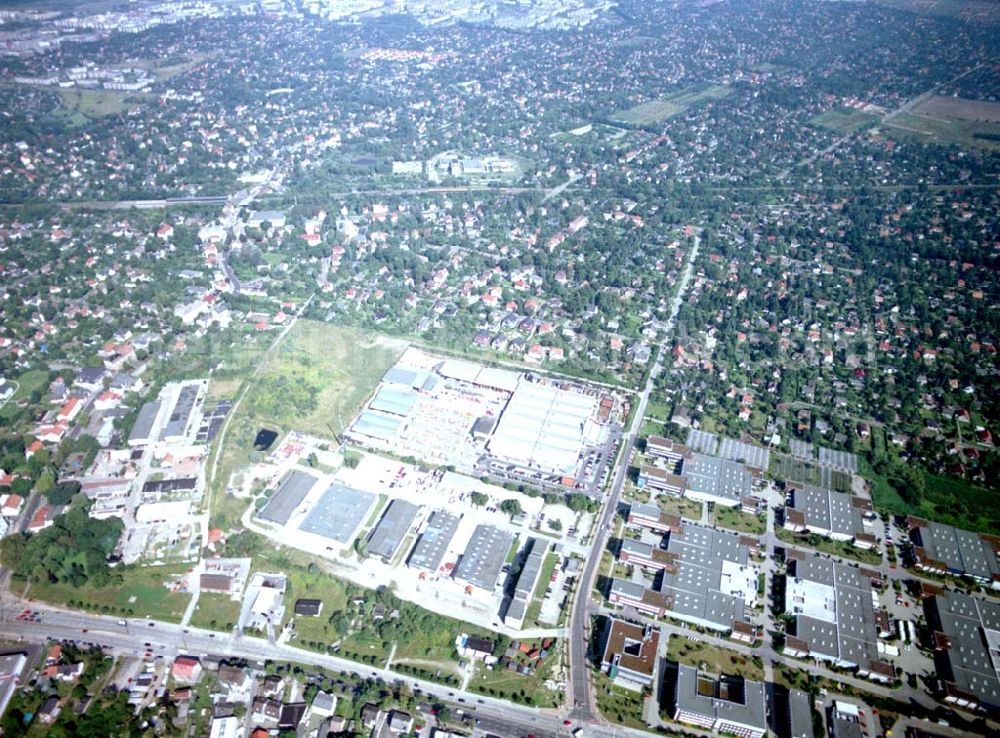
(164, 69)
(141, 593)
(319, 377)
(844, 120)
(979, 11)
(655, 111)
(959, 108)
(946, 131)
(314, 585)
(772, 68)
(421, 637)
(314, 382)
(78, 106)
(28, 382)
(714, 659)
(216, 612)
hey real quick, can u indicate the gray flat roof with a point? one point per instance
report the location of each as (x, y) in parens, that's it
(484, 557)
(180, 414)
(828, 510)
(391, 529)
(434, 541)
(800, 720)
(144, 423)
(719, 478)
(338, 513)
(960, 550)
(845, 627)
(289, 495)
(626, 588)
(846, 727)
(695, 588)
(732, 699)
(972, 625)
(527, 580)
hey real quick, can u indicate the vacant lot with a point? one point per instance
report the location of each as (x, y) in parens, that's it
(844, 120)
(690, 509)
(172, 66)
(964, 133)
(958, 108)
(314, 382)
(617, 704)
(512, 685)
(979, 11)
(141, 593)
(78, 106)
(666, 107)
(946, 500)
(318, 378)
(216, 612)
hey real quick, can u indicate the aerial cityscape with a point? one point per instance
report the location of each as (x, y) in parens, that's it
(499, 368)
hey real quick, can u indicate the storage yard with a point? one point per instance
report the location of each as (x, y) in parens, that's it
(418, 529)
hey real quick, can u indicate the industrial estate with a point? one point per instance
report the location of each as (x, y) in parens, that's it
(499, 369)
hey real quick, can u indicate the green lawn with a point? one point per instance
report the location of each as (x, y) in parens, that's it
(418, 634)
(314, 585)
(80, 106)
(714, 659)
(964, 133)
(734, 519)
(655, 111)
(216, 612)
(844, 120)
(28, 382)
(616, 704)
(843, 549)
(144, 584)
(690, 509)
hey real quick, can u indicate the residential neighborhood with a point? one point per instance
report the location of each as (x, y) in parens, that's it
(538, 369)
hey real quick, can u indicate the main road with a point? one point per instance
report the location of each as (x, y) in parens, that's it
(167, 640)
(580, 697)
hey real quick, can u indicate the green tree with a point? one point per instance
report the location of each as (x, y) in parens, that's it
(511, 507)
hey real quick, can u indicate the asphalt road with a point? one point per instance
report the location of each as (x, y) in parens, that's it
(581, 698)
(168, 640)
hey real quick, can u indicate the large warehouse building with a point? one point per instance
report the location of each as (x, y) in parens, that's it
(966, 634)
(834, 613)
(707, 578)
(944, 549)
(544, 427)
